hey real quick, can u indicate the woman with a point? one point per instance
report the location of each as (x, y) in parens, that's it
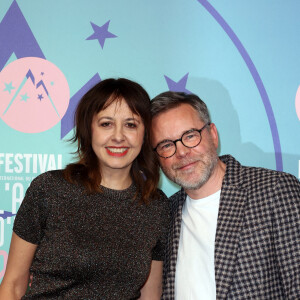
(97, 229)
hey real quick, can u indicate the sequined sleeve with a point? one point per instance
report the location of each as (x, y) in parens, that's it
(158, 251)
(30, 219)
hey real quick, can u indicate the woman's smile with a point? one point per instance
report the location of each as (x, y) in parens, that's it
(117, 151)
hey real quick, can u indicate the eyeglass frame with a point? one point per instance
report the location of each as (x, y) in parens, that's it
(175, 141)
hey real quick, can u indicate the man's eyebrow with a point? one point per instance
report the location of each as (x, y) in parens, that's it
(179, 135)
(165, 140)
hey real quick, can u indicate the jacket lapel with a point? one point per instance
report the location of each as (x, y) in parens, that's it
(230, 220)
(177, 202)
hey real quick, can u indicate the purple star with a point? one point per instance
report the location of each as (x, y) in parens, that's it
(6, 214)
(40, 97)
(178, 86)
(101, 33)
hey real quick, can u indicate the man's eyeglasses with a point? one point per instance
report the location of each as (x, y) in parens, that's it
(189, 139)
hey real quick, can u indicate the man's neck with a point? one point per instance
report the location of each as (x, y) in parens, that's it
(213, 184)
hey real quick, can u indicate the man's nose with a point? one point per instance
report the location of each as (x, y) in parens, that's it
(181, 150)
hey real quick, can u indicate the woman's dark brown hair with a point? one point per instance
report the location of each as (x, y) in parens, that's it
(86, 171)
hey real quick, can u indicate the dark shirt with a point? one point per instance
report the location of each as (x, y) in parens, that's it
(97, 246)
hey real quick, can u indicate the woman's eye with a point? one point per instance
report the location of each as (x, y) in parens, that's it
(131, 125)
(105, 124)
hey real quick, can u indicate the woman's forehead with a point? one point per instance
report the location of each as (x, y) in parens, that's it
(118, 108)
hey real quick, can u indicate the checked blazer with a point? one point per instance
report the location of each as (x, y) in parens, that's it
(257, 244)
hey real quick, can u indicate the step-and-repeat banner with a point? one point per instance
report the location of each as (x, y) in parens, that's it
(241, 57)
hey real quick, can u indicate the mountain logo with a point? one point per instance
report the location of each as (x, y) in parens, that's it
(34, 94)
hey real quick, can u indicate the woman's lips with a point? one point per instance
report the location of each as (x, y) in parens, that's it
(117, 151)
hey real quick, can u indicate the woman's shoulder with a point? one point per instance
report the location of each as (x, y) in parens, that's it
(162, 200)
(53, 175)
(164, 210)
(48, 180)
(162, 195)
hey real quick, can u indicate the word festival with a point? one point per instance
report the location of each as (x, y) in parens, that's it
(29, 163)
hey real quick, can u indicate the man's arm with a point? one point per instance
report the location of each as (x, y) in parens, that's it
(287, 234)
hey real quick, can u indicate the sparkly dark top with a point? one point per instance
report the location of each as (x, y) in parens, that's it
(97, 246)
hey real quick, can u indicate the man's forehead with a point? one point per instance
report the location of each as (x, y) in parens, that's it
(174, 122)
(182, 111)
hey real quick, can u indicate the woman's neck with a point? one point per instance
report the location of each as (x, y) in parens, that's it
(116, 180)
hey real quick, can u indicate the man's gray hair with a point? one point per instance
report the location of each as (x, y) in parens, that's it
(168, 100)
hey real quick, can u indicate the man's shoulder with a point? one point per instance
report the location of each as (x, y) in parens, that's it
(176, 196)
(262, 177)
(177, 199)
(255, 175)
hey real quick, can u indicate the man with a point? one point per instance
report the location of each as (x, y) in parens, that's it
(235, 229)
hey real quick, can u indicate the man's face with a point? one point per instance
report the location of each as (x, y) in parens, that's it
(188, 167)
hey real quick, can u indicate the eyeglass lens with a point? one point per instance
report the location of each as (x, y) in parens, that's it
(189, 139)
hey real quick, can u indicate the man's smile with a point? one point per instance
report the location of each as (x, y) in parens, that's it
(185, 165)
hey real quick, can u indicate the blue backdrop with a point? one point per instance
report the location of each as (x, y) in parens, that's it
(241, 57)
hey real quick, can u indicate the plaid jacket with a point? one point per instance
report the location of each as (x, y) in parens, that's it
(257, 244)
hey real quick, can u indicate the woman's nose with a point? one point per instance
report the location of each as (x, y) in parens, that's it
(118, 134)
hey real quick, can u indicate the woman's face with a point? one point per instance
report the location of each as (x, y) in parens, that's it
(117, 137)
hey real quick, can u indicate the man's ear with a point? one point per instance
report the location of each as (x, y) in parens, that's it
(214, 134)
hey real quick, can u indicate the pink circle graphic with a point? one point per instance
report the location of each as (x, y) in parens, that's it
(297, 102)
(34, 95)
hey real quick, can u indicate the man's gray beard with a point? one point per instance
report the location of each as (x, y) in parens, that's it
(209, 167)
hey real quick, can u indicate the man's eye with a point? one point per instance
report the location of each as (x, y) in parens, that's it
(166, 146)
(190, 136)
